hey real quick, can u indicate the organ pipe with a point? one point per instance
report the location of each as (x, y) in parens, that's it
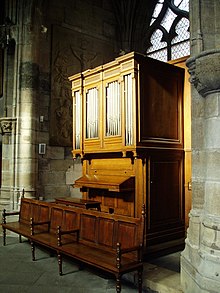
(92, 113)
(77, 114)
(128, 109)
(113, 109)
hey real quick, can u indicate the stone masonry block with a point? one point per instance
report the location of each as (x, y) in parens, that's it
(198, 188)
(52, 192)
(199, 164)
(198, 133)
(212, 198)
(53, 178)
(60, 165)
(56, 153)
(212, 166)
(212, 105)
(212, 137)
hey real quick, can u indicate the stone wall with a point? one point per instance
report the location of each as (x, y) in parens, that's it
(54, 39)
(76, 35)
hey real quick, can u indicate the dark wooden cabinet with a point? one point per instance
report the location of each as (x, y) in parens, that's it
(128, 130)
(165, 205)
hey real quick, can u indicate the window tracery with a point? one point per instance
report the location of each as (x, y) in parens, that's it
(168, 34)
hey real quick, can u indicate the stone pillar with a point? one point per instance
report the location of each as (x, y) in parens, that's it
(201, 257)
(27, 103)
(26, 163)
(20, 146)
(200, 260)
(9, 198)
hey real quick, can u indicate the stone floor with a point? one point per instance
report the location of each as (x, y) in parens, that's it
(19, 274)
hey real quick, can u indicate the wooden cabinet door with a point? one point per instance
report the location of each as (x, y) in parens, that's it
(165, 198)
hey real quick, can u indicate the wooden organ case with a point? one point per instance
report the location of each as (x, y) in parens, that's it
(128, 130)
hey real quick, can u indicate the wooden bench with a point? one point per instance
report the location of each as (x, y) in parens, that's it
(45, 232)
(29, 208)
(111, 243)
(108, 242)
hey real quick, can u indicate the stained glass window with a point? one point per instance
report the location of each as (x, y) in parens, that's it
(168, 34)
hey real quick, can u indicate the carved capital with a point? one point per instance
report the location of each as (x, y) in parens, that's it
(204, 69)
(7, 125)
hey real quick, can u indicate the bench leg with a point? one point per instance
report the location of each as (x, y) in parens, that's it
(81, 267)
(20, 241)
(118, 283)
(59, 256)
(33, 250)
(140, 280)
(4, 236)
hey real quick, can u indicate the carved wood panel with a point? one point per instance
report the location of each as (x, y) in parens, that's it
(88, 228)
(106, 227)
(56, 216)
(128, 234)
(25, 211)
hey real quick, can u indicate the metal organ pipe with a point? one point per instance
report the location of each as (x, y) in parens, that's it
(128, 107)
(88, 134)
(92, 113)
(96, 112)
(113, 109)
(108, 109)
(77, 114)
(87, 118)
(92, 120)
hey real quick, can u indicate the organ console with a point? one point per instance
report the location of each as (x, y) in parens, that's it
(128, 130)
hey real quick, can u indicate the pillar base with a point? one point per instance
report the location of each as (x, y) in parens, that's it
(203, 277)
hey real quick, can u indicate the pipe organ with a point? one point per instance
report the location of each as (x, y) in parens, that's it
(128, 130)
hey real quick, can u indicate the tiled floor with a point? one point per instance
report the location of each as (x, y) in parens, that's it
(19, 274)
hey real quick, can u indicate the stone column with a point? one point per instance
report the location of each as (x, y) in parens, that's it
(20, 148)
(8, 131)
(27, 103)
(26, 157)
(201, 257)
(200, 261)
